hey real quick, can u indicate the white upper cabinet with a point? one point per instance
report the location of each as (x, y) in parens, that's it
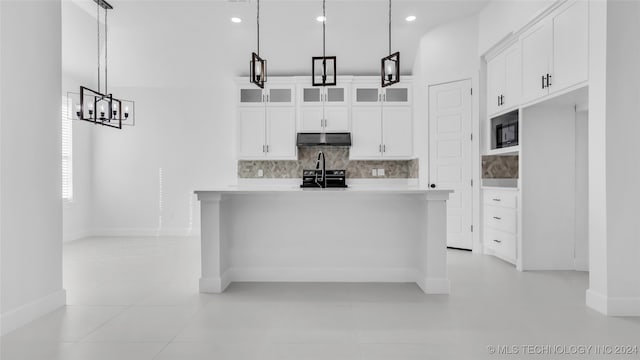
(503, 80)
(382, 121)
(366, 137)
(274, 95)
(397, 132)
(267, 121)
(570, 46)
(373, 94)
(555, 52)
(324, 109)
(537, 49)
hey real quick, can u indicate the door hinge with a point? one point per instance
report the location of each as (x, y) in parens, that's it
(471, 182)
(471, 91)
(471, 228)
(471, 137)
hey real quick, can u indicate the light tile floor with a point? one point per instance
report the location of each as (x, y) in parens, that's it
(137, 298)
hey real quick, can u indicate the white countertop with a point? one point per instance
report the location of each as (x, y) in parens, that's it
(351, 189)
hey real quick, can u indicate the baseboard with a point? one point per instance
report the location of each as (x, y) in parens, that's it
(144, 232)
(16, 318)
(75, 236)
(435, 286)
(321, 274)
(613, 306)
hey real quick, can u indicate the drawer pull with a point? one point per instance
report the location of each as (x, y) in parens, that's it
(496, 199)
(498, 241)
(497, 218)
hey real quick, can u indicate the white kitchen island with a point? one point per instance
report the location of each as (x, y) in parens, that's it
(359, 234)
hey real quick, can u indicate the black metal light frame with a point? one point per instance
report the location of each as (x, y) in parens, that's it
(258, 63)
(387, 79)
(110, 117)
(321, 62)
(394, 61)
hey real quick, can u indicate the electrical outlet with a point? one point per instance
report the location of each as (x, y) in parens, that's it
(374, 172)
(380, 172)
(260, 173)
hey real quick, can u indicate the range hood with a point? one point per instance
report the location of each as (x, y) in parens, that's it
(324, 139)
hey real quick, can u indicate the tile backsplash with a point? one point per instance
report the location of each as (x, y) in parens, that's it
(500, 167)
(336, 158)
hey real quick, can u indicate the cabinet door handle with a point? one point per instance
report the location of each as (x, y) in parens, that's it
(498, 100)
(267, 148)
(497, 241)
(496, 199)
(548, 80)
(263, 149)
(543, 81)
(497, 218)
(380, 148)
(326, 123)
(384, 148)
(501, 100)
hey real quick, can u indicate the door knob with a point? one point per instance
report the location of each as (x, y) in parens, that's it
(433, 186)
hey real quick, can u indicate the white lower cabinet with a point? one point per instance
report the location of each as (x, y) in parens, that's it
(267, 133)
(501, 223)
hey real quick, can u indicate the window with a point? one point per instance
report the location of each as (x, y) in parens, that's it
(67, 149)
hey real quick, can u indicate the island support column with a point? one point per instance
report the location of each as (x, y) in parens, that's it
(432, 262)
(212, 243)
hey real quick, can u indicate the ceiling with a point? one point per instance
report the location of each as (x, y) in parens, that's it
(190, 43)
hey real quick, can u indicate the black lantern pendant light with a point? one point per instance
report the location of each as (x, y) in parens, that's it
(323, 68)
(100, 107)
(390, 65)
(258, 66)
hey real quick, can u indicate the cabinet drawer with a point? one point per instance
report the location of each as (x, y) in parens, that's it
(500, 218)
(501, 198)
(502, 244)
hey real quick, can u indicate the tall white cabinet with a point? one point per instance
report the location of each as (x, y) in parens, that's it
(382, 120)
(267, 121)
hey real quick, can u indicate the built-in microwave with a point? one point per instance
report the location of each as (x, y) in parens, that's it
(505, 130)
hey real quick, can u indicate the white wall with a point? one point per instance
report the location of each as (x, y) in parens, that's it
(501, 17)
(447, 53)
(30, 161)
(614, 174)
(582, 191)
(185, 134)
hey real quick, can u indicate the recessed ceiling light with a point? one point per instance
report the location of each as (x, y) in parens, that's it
(321, 18)
(411, 18)
(236, 20)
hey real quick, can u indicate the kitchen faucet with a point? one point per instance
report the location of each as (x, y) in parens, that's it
(323, 178)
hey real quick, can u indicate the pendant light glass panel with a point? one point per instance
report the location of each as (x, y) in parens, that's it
(258, 70)
(390, 69)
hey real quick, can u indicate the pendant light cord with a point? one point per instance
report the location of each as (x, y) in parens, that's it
(258, 25)
(98, 42)
(324, 23)
(106, 49)
(389, 26)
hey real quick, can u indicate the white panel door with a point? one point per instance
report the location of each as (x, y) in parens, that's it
(536, 58)
(366, 134)
(311, 118)
(281, 133)
(450, 156)
(251, 129)
(397, 132)
(570, 46)
(495, 83)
